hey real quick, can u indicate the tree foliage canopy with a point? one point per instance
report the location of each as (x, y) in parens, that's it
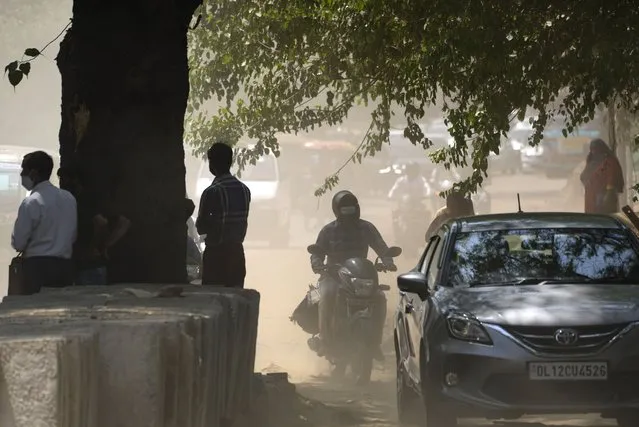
(294, 65)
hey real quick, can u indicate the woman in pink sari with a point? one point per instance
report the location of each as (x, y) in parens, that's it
(602, 179)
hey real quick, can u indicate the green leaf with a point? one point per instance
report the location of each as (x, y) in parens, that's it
(32, 52)
(15, 77)
(25, 67)
(11, 67)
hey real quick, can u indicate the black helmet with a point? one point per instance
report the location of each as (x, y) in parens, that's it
(345, 205)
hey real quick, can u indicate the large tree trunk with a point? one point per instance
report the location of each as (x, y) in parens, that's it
(125, 86)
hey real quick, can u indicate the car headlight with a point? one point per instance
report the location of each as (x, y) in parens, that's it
(516, 145)
(465, 327)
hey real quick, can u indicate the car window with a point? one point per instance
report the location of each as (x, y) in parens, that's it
(428, 259)
(428, 254)
(569, 255)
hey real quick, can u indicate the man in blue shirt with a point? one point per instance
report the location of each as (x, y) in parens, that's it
(223, 218)
(46, 227)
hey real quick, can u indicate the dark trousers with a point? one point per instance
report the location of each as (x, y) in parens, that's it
(224, 265)
(46, 272)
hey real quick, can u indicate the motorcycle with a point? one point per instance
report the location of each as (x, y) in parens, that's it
(354, 325)
(409, 221)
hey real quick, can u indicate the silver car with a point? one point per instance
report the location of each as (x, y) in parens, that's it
(514, 314)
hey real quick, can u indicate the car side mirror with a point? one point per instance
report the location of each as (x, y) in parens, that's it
(413, 282)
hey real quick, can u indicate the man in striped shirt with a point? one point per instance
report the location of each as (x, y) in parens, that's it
(223, 218)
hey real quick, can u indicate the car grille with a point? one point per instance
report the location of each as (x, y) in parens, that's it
(542, 338)
(519, 390)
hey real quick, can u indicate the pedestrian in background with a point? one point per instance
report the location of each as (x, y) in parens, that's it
(45, 228)
(223, 218)
(602, 179)
(98, 230)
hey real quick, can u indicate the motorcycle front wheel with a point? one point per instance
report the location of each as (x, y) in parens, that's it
(364, 367)
(362, 359)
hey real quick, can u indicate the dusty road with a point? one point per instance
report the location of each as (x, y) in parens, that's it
(283, 276)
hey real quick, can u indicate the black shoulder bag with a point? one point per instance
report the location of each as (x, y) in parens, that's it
(16, 277)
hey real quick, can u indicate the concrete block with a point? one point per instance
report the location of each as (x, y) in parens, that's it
(47, 376)
(146, 361)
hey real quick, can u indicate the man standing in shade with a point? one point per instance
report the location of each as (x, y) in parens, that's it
(98, 231)
(223, 218)
(46, 227)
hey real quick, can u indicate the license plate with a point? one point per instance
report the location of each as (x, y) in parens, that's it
(562, 371)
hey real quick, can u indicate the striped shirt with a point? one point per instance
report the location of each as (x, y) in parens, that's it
(224, 210)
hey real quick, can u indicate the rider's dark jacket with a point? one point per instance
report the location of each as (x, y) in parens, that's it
(342, 240)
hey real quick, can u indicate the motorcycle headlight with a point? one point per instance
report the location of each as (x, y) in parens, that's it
(465, 327)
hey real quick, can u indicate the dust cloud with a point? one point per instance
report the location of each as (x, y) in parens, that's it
(280, 227)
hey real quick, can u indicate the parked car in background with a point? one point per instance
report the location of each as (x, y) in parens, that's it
(508, 161)
(270, 201)
(515, 314)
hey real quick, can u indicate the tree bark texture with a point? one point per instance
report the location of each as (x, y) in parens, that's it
(125, 86)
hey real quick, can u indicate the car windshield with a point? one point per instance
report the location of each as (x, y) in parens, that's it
(510, 257)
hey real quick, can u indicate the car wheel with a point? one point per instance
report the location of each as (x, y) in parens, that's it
(408, 402)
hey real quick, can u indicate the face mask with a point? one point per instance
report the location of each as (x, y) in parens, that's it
(27, 182)
(348, 210)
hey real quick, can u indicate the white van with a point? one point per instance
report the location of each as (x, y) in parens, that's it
(269, 218)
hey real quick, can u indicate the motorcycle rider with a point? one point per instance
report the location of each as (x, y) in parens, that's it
(411, 183)
(348, 236)
(457, 205)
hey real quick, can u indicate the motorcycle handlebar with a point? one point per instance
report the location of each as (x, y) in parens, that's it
(380, 267)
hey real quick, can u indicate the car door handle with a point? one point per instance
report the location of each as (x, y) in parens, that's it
(408, 308)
